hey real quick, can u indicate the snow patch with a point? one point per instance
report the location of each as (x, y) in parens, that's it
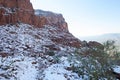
(117, 69)
(58, 71)
(27, 70)
(18, 68)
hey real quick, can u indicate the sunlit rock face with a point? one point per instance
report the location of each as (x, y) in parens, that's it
(15, 11)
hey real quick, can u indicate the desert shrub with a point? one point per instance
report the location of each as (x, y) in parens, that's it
(90, 69)
(112, 52)
(97, 65)
(50, 53)
(56, 59)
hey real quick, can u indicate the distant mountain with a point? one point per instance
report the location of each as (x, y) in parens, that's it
(103, 38)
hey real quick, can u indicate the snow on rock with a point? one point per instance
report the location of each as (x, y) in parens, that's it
(38, 53)
(34, 56)
(116, 69)
(22, 67)
(58, 72)
(18, 68)
(27, 70)
(24, 38)
(29, 49)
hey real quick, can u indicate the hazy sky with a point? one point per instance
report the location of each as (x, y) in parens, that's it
(85, 17)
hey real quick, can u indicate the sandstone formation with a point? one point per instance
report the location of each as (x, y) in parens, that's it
(21, 4)
(21, 11)
(15, 11)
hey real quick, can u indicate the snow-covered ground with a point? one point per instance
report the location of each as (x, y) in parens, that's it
(24, 38)
(18, 68)
(28, 68)
(117, 69)
(58, 71)
(28, 53)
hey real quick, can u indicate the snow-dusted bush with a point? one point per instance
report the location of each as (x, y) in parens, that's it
(97, 64)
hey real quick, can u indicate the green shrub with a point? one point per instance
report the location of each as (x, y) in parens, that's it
(98, 63)
(50, 53)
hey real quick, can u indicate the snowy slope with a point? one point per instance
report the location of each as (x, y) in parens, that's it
(24, 53)
(19, 67)
(29, 53)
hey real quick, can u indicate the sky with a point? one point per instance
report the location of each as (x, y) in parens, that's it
(85, 17)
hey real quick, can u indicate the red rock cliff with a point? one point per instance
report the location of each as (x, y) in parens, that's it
(14, 11)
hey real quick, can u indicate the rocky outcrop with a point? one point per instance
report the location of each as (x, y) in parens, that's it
(95, 44)
(21, 11)
(73, 42)
(15, 11)
(52, 19)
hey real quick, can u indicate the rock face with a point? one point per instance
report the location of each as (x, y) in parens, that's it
(95, 44)
(15, 11)
(52, 19)
(21, 4)
(21, 11)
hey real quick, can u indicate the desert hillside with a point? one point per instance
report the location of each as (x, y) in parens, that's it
(37, 45)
